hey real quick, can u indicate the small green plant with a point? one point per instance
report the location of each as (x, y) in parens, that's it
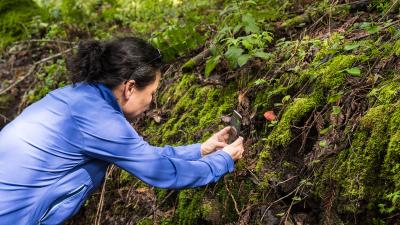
(241, 49)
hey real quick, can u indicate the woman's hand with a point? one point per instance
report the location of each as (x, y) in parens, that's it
(235, 149)
(217, 140)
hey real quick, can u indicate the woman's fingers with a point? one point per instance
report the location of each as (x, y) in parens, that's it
(220, 144)
(223, 134)
(224, 131)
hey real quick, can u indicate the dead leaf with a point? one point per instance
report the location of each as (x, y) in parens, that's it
(270, 115)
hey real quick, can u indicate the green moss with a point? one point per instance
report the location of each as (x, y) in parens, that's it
(358, 167)
(177, 89)
(186, 81)
(161, 193)
(125, 177)
(268, 176)
(328, 47)
(392, 158)
(263, 99)
(264, 156)
(145, 221)
(281, 134)
(188, 210)
(396, 48)
(211, 210)
(331, 75)
(297, 20)
(386, 93)
(189, 64)
(196, 109)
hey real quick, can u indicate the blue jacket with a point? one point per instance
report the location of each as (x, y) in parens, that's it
(57, 150)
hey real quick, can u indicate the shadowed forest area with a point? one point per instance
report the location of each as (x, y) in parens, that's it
(316, 81)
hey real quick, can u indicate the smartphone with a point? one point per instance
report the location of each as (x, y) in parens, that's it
(235, 123)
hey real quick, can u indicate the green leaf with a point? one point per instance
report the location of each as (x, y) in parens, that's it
(232, 54)
(370, 28)
(351, 47)
(373, 29)
(325, 130)
(323, 143)
(355, 71)
(247, 44)
(263, 55)
(336, 110)
(250, 25)
(335, 97)
(267, 36)
(251, 2)
(260, 81)
(211, 64)
(286, 98)
(237, 28)
(243, 59)
(213, 50)
(296, 199)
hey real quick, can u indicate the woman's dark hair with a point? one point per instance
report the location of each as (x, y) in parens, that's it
(115, 61)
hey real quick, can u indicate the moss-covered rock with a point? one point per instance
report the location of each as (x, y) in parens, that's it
(281, 134)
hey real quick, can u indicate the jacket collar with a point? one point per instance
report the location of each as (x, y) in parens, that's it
(109, 96)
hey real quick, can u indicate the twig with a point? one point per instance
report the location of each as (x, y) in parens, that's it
(262, 217)
(205, 82)
(30, 72)
(393, 6)
(162, 202)
(290, 207)
(101, 202)
(32, 69)
(368, 34)
(233, 198)
(198, 59)
(45, 40)
(282, 182)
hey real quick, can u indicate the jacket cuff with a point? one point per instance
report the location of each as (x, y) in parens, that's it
(228, 159)
(197, 150)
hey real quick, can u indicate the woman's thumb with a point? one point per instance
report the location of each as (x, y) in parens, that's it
(238, 141)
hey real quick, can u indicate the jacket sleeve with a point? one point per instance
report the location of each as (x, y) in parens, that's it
(114, 140)
(188, 152)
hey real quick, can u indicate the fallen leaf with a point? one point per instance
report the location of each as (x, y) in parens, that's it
(270, 116)
(141, 190)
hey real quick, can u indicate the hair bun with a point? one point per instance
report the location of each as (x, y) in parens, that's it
(88, 61)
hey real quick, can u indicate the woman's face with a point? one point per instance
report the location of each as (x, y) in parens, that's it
(134, 101)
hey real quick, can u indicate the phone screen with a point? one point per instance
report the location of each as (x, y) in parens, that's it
(236, 122)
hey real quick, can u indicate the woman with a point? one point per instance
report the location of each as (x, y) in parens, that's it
(56, 152)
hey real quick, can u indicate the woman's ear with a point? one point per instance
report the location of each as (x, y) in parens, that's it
(129, 88)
